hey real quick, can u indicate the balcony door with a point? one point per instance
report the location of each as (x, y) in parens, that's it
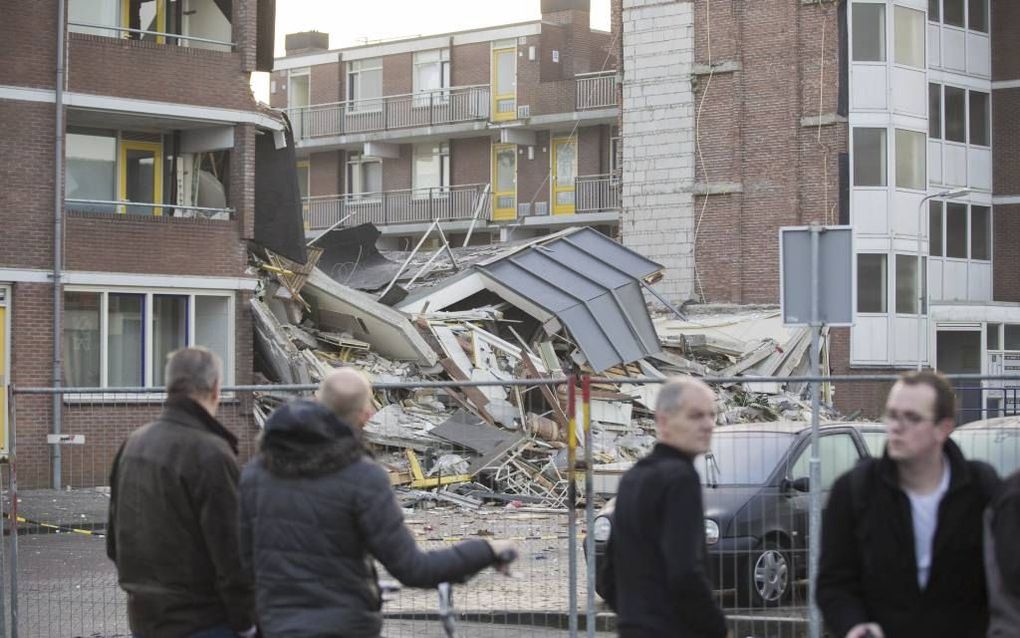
(564, 174)
(504, 182)
(141, 177)
(504, 84)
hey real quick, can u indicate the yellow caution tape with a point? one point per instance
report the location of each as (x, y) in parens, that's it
(59, 528)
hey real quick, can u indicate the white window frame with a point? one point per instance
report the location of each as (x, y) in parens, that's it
(440, 57)
(355, 71)
(969, 224)
(443, 158)
(899, 11)
(147, 348)
(885, 158)
(966, 17)
(889, 292)
(896, 153)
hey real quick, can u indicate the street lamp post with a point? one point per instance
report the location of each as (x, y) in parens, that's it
(922, 288)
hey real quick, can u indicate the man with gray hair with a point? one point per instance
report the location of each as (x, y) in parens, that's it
(658, 543)
(173, 522)
(317, 511)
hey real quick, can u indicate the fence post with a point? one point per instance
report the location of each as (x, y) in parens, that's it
(572, 498)
(815, 520)
(12, 434)
(589, 504)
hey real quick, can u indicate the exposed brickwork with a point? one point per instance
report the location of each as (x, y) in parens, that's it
(1006, 286)
(325, 173)
(1006, 141)
(397, 172)
(470, 160)
(1005, 43)
(469, 64)
(533, 174)
(26, 175)
(26, 57)
(397, 73)
(866, 396)
(242, 179)
(328, 83)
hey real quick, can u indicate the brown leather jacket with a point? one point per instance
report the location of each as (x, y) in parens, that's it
(173, 525)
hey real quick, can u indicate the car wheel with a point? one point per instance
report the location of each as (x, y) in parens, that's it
(770, 576)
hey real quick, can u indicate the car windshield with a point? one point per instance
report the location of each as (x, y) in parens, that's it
(742, 458)
(998, 447)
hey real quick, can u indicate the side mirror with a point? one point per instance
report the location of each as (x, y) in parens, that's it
(802, 484)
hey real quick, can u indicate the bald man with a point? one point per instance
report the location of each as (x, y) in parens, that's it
(316, 510)
(658, 544)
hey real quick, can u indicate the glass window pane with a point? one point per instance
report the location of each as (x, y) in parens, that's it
(980, 232)
(1011, 340)
(212, 329)
(909, 37)
(906, 284)
(869, 156)
(141, 174)
(992, 332)
(910, 160)
(169, 331)
(952, 12)
(371, 84)
(91, 169)
(426, 166)
(955, 109)
(427, 77)
(933, 10)
(125, 340)
(980, 132)
(869, 33)
(935, 111)
(371, 174)
(838, 454)
(298, 93)
(871, 283)
(977, 15)
(81, 339)
(505, 76)
(566, 164)
(935, 228)
(506, 169)
(956, 231)
(106, 12)
(302, 179)
(875, 442)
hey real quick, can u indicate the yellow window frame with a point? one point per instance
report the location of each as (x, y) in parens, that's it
(505, 213)
(125, 18)
(562, 209)
(157, 173)
(496, 96)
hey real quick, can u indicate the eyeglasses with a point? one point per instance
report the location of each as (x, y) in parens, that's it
(907, 417)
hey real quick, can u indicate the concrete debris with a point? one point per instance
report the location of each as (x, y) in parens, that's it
(507, 443)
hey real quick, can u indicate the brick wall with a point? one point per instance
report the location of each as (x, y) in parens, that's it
(328, 83)
(592, 147)
(469, 64)
(325, 171)
(397, 172)
(470, 160)
(397, 74)
(1006, 141)
(866, 396)
(1006, 284)
(28, 51)
(1005, 43)
(26, 184)
(242, 179)
(533, 174)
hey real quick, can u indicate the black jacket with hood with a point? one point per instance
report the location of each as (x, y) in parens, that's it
(316, 511)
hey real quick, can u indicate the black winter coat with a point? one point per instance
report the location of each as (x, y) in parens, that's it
(868, 569)
(172, 527)
(659, 553)
(316, 511)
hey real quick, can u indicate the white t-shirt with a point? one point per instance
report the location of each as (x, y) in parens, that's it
(924, 511)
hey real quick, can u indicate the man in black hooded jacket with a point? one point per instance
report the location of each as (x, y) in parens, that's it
(316, 511)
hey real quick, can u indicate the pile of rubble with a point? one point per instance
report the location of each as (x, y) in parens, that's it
(531, 311)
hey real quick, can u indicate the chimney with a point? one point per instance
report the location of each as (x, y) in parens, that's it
(566, 11)
(306, 42)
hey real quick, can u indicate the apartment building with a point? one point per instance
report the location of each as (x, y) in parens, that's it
(898, 117)
(508, 131)
(140, 151)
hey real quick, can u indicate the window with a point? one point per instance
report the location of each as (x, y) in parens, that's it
(141, 176)
(299, 93)
(837, 453)
(871, 282)
(431, 166)
(935, 228)
(303, 174)
(956, 231)
(993, 339)
(145, 15)
(875, 441)
(935, 111)
(363, 175)
(364, 84)
(1012, 336)
(431, 70)
(911, 158)
(81, 342)
(977, 15)
(907, 295)
(869, 155)
(91, 168)
(933, 10)
(98, 12)
(123, 339)
(952, 13)
(869, 33)
(909, 37)
(980, 118)
(980, 232)
(956, 114)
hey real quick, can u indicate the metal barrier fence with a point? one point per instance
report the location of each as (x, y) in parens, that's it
(516, 484)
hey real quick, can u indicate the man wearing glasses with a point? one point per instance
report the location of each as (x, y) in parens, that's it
(902, 535)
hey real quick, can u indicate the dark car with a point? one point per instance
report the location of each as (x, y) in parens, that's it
(757, 503)
(994, 441)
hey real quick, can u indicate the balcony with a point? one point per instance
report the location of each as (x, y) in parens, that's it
(411, 206)
(597, 193)
(145, 209)
(596, 90)
(431, 108)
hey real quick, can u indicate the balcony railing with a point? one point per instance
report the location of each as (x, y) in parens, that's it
(420, 205)
(161, 37)
(597, 193)
(145, 209)
(427, 108)
(596, 90)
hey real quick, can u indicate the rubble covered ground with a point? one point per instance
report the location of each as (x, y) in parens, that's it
(500, 313)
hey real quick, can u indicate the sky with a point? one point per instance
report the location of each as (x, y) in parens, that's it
(353, 22)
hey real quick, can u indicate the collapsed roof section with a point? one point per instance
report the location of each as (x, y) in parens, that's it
(578, 280)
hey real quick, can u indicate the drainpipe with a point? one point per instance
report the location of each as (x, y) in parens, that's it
(58, 238)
